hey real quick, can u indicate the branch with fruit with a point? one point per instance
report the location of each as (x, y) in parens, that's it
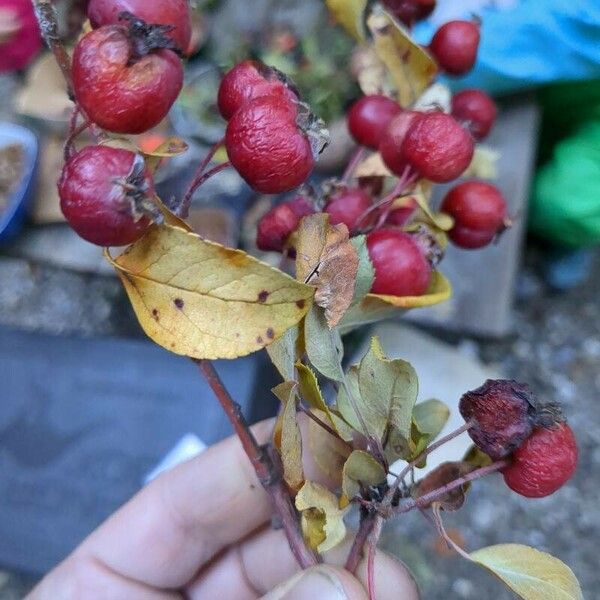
(355, 250)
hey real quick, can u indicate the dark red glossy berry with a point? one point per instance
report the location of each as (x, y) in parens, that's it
(117, 88)
(455, 46)
(400, 216)
(369, 117)
(401, 268)
(174, 13)
(251, 79)
(103, 193)
(476, 111)
(437, 147)
(281, 221)
(544, 463)
(267, 147)
(348, 205)
(410, 11)
(502, 412)
(479, 212)
(392, 140)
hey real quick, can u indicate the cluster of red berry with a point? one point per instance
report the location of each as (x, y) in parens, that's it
(507, 421)
(414, 145)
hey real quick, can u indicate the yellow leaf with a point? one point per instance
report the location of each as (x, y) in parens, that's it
(169, 148)
(377, 307)
(322, 518)
(410, 66)
(200, 299)
(310, 243)
(531, 574)
(170, 217)
(373, 166)
(484, 164)
(369, 71)
(361, 468)
(287, 437)
(311, 392)
(349, 14)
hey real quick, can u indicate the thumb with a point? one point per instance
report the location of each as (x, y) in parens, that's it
(323, 582)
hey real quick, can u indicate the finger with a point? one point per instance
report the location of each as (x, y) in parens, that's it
(323, 582)
(185, 517)
(264, 560)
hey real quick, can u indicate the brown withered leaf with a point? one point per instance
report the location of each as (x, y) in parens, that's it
(287, 437)
(442, 475)
(333, 270)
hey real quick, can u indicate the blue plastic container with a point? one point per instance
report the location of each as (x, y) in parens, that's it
(13, 216)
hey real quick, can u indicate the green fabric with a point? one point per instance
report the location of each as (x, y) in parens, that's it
(565, 204)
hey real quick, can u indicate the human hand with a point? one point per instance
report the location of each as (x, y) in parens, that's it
(201, 531)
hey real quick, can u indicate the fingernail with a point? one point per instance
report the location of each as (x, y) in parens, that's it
(316, 583)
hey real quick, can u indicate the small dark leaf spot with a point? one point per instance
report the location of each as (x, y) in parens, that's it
(155, 314)
(300, 304)
(252, 486)
(179, 303)
(262, 297)
(259, 340)
(270, 333)
(237, 335)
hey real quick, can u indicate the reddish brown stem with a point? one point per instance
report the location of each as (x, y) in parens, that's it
(199, 179)
(356, 159)
(266, 466)
(427, 499)
(372, 550)
(323, 425)
(46, 16)
(367, 524)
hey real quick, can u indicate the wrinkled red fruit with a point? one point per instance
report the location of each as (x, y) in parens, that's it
(476, 111)
(347, 206)
(281, 221)
(102, 190)
(503, 416)
(390, 147)
(455, 46)
(410, 11)
(479, 212)
(544, 463)
(401, 268)
(247, 80)
(437, 147)
(118, 89)
(266, 146)
(175, 13)
(369, 117)
(20, 41)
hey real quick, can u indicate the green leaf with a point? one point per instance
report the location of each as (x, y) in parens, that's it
(322, 520)
(287, 436)
(349, 14)
(388, 389)
(361, 468)
(323, 345)
(345, 404)
(531, 574)
(366, 272)
(283, 353)
(431, 417)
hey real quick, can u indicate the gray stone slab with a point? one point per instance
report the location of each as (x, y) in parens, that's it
(484, 280)
(81, 423)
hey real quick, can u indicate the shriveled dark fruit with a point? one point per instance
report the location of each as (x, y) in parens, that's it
(503, 413)
(455, 46)
(479, 212)
(281, 221)
(369, 117)
(175, 13)
(437, 147)
(544, 463)
(410, 11)
(392, 140)
(476, 111)
(251, 79)
(104, 193)
(267, 147)
(119, 90)
(400, 216)
(348, 205)
(401, 268)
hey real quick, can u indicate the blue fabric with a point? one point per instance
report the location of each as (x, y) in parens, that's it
(535, 43)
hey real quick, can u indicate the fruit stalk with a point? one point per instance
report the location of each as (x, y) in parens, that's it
(265, 463)
(46, 16)
(355, 160)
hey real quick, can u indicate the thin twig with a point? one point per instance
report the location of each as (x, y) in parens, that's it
(356, 159)
(324, 425)
(266, 466)
(198, 179)
(367, 523)
(411, 465)
(372, 550)
(46, 16)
